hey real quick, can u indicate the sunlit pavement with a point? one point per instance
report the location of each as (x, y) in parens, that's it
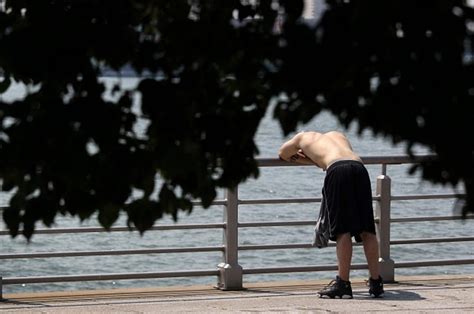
(447, 294)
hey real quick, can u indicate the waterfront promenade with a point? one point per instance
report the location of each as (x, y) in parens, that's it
(420, 294)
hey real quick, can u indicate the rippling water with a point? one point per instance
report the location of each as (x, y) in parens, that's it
(280, 182)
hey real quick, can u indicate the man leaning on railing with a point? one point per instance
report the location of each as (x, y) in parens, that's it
(346, 205)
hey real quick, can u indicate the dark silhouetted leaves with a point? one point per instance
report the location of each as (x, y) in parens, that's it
(210, 68)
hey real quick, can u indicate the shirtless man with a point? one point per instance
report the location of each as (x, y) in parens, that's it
(347, 200)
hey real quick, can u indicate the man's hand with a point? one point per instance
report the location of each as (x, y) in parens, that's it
(294, 158)
(299, 155)
(288, 155)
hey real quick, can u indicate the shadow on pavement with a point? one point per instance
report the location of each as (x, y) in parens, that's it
(398, 295)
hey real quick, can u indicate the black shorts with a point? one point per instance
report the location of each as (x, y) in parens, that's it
(347, 197)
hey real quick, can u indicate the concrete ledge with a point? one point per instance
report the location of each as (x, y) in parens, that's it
(420, 293)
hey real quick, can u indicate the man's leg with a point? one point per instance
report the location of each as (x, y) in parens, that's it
(341, 287)
(371, 250)
(344, 255)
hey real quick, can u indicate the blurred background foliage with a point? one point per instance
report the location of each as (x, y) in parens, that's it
(209, 70)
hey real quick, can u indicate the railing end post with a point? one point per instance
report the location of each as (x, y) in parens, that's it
(230, 272)
(387, 270)
(386, 264)
(230, 277)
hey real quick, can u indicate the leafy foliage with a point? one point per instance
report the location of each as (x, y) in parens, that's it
(210, 69)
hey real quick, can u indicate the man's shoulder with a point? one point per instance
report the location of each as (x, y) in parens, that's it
(310, 133)
(309, 136)
(334, 133)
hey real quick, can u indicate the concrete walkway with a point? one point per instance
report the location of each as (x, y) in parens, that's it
(440, 294)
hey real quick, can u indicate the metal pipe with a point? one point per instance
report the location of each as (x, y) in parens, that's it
(429, 218)
(435, 263)
(295, 269)
(112, 252)
(425, 197)
(279, 201)
(368, 160)
(123, 229)
(431, 240)
(276, 223)
(277, 246)
(101, 277)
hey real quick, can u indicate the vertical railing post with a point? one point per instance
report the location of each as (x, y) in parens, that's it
(1, 288)
(382, 210)
(230, 275)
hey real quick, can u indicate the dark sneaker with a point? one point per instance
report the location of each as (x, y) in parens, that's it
(337, 288)
(376, 287)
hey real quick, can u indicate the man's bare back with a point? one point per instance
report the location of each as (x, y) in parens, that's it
(321, 149)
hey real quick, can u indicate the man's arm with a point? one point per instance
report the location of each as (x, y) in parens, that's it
(290, 148)
(292, 152)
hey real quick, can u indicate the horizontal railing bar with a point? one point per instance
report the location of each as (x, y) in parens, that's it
(277, 246)
(374, 198)
(425, 197)
(214, 203)
(368, 160)
(286, 200)
(209, 249)
(434, 263)
(430, 218)
(295, 269)
(101, 277)
(279, 201)
(122, 229)
(394, 160)
(431, 240)
(332, 244)
(286, 246)
(248, 271)
(195, 203)
(254, 202)
(273, 162)
(222, 225)
(276, 223)
(112, 252)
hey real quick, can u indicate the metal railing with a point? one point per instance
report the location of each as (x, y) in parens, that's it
(229, 271)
